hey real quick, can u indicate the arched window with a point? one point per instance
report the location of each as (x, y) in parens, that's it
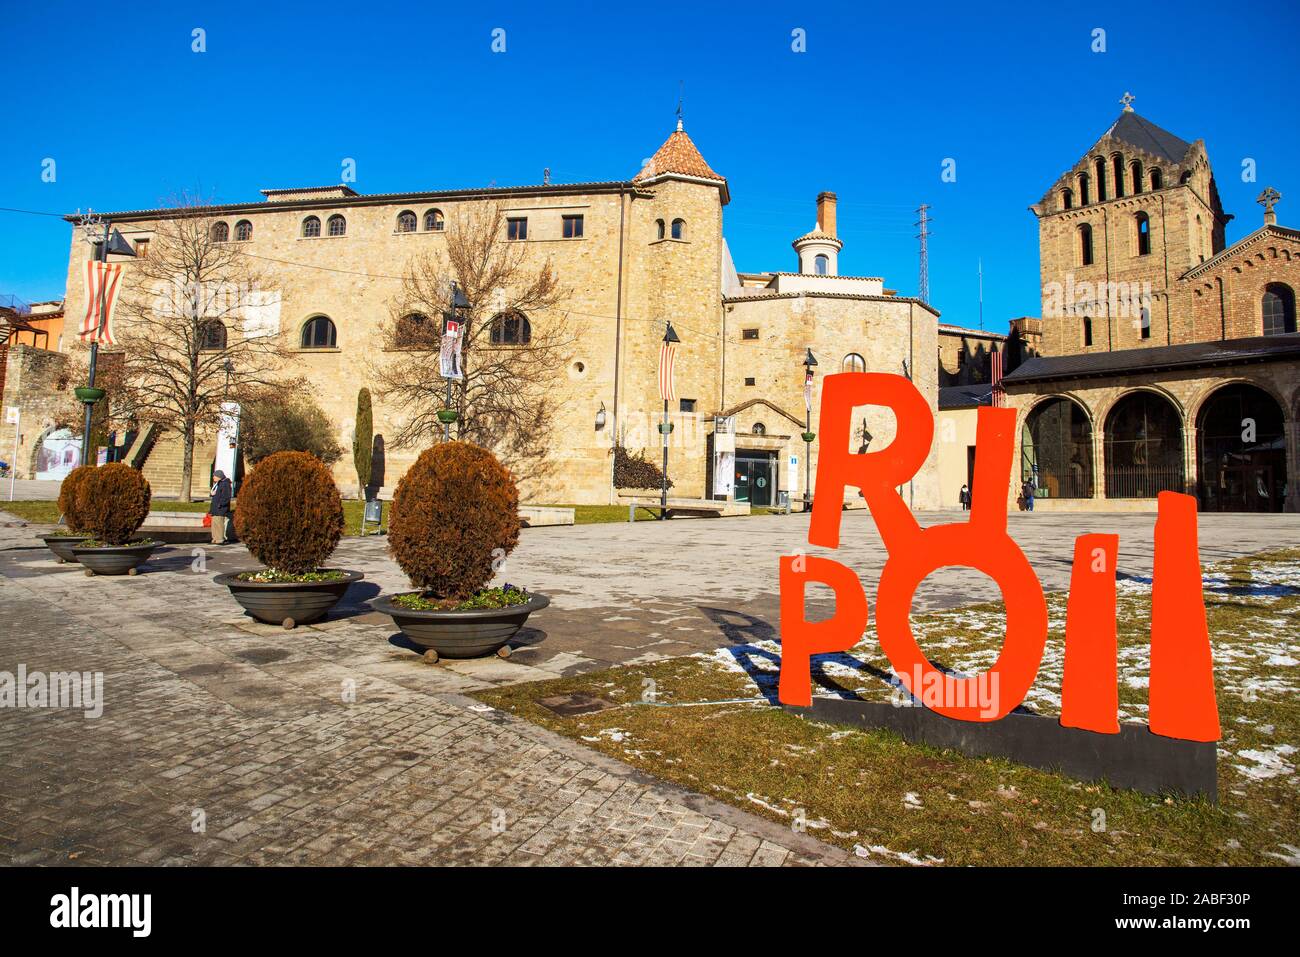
(1087, 330)
(1067, 198)
(853, 363)
(311, 226)
(212, 335)
(337, 225)
(511, 329)
(1085, 196)
(1157, 179)
(433, 221)
(659, 229)
(1085, 244)
(1278, 309)
(1101, 179)
(1056, 449)
(406, 221)
(1185, 178)
(220, 232)
(1117, 168)
(1143, 226)
(243, 230)
(1237, 475)
(415, 331)
(679, 229)
(318, 333)
(1144, 447)
(1135, 175)
(759, 429)
(1145, 322)
(822, 264)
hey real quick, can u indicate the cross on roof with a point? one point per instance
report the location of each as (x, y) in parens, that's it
(1127, 99)
(1268, 199)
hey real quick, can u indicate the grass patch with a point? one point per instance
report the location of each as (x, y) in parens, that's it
(599, 514)
(897, 802)
(47, 513)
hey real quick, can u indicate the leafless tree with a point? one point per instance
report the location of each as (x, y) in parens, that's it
(194, 327)
(514, 341)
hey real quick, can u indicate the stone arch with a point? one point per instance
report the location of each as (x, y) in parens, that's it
(1241, 448)
(1143, 441)
(1057, 447)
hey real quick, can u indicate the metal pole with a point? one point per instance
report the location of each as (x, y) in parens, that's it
(807, 463)
(446, 426)
(13, 466)
(94, 350)
(663, 491)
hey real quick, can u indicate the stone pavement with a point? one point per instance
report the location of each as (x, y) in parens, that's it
(335, 743)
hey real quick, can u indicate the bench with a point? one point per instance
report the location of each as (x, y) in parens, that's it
(694, 507)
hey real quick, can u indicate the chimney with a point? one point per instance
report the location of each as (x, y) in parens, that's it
(826, 213)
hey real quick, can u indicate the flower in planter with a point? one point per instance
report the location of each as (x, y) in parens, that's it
(455, 516)
(68, 497)
(111, 502)
(290, 514)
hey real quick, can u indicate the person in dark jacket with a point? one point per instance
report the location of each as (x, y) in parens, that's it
(219, 508)
(1027, 490)
(964, 497)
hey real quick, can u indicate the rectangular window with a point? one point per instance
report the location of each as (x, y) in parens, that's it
(517, 228)
(1146, 323)
(687, 405)
(142, 249)
(1087, 330)
(572, 227)
(749, 334)
(749, 380)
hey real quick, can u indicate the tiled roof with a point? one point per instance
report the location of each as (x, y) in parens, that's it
(1269, 229)
(816, 235)
(1127, 361)
(1146, 136)
(964, 396)
(677, 155)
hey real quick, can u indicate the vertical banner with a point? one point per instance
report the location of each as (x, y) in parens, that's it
(808, 390)
(102, 282)
(724, 455)
(667, 360)
(228, 439)
(449, 355)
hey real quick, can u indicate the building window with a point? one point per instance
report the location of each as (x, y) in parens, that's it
(142, 249)
(1087, 330)
(1143, 234)
(319, 333)
(749, 380)
(659, 229)
(406, 221)
(1135, 171)
(1085, 196)
(220, 232)
(1279, 309)
(679, 229)
(337, 225)
(212, 335)
(1085, 244)
(1101, 180)
(511, 329)
(517, 228)
(821, 264)
(433, 222)
(243, 230)
(686, 405)
(1185, 178)
(1117, 167)
(759, 429)
(749, 333)
(572, 227)
(1067, 198)
(853, 363)
(1146, 323)
(311, 227)
(1157, 179)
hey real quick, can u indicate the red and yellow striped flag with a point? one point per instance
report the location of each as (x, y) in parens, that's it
(667, 359)
(102, 283)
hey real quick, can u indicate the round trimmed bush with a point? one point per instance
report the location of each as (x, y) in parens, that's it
(68, 496)
(455, 514)
(112, 502)
(290, 513)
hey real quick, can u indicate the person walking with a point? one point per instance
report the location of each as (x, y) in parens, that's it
(1027, 490)
(219, 507)
(964, 497)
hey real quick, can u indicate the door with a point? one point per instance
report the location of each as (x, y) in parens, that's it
(754, 478)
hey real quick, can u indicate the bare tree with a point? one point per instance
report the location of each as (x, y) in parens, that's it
(514, 341)
(193, 327)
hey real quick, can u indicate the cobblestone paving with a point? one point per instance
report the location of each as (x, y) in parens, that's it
(336, 744)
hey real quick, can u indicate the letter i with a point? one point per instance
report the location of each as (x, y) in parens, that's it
(1089, 685)
(1182, 669)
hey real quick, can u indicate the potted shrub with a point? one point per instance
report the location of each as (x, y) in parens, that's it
(60, 542)
(455, 516)
(112, 501)
(290, 516)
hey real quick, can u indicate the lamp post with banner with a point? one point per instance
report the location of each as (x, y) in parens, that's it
(667, 391)
(102, 287)
(449, 355)
(809, 362)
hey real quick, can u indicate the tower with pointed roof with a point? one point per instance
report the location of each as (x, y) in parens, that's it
(1138, 209)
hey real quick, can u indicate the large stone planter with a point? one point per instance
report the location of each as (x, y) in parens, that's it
(62, 545)
(114, 559)
(473, 633)
(288, 603)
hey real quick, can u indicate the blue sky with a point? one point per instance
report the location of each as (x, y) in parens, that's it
(416, 96)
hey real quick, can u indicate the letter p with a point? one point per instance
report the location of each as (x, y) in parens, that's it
(800, 638)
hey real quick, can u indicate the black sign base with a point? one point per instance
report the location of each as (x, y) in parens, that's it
(1135, 758)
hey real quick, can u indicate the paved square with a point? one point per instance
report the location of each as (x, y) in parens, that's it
(227, 741)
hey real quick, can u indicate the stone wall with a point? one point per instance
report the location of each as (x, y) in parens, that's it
(37, 382)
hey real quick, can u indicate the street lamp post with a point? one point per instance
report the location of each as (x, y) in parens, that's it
(809, 361)
(459, 304)
(665, 427)
(90, 394)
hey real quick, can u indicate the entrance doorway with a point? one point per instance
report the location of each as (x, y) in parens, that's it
(755, 476)
(1241, 451)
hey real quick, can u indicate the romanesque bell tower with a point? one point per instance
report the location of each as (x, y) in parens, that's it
(1115, 232)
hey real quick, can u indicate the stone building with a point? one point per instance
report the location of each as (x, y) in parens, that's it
(1170, 361)
(631, 255)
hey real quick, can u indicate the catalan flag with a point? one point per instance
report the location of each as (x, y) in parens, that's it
(102, 283)
(667, 359)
